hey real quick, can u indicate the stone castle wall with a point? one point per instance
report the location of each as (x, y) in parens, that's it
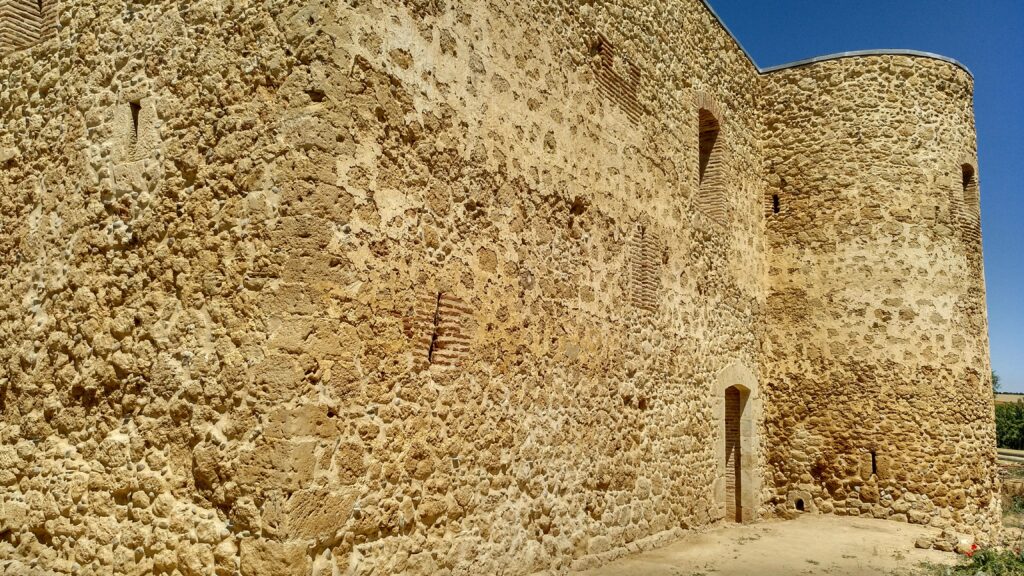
(427, 287)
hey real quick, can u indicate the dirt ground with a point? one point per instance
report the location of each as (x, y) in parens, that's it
(809, 545)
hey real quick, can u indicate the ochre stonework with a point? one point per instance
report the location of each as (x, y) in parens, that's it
(438, 287)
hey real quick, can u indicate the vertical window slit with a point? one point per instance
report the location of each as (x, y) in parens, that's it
(618, 79)
(968, 175)
(708, 137)
(775, 203)
(874, 463)
(970, 215)
(433, 334)
(136, 108)
(711, 197)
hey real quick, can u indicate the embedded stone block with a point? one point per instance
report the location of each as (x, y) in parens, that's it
(278, 464)
(318, 514)
(260, 557)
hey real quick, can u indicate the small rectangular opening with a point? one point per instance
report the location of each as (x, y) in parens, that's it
(136, 108)
(775, 203)
(874, 463)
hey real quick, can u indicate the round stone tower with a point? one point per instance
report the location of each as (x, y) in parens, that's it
(877, 366)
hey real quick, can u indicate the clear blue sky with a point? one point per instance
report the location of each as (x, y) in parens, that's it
(988, 37)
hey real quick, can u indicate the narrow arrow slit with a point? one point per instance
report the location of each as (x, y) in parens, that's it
(433, 335)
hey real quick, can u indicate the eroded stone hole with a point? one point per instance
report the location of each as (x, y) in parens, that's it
(578, 206)
(316, 95)
(800, 504)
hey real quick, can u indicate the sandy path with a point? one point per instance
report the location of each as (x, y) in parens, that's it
(838, 546)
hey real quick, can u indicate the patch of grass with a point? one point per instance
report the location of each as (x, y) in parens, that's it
(1016, 505)
(1013, 511)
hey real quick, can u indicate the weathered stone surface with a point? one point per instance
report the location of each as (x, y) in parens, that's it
(318, 515)
(269, 558)
(409, 286)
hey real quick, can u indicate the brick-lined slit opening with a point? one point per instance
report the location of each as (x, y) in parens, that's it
(433, 334)
(970, 216)
(709, 130)
(645, 269)
(775, 203)
(968, 176)
(618, 79)
(711, 198)
(136, 108)
(441, 330)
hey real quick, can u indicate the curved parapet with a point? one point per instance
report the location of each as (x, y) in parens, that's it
(864, 54)
(876, 319)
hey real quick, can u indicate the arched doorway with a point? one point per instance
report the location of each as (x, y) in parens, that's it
(737, 411)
